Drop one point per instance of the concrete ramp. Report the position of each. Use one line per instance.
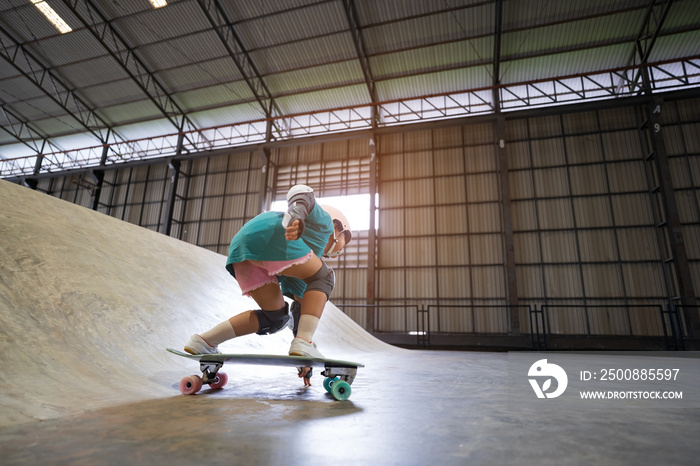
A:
(88, 303)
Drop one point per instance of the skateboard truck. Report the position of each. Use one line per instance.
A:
(209, 370)
(345, 373)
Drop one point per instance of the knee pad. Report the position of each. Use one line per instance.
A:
(270, 322)
(323, 280)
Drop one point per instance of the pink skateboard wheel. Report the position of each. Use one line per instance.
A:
(220, 380)
(190, 385)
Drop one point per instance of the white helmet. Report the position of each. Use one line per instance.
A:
(340, 218)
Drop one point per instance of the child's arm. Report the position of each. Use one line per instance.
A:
(300, 200)
(292, 231)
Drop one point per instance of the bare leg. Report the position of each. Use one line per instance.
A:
(313, 302)
(268, 297)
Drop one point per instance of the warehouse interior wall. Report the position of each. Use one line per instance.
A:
(596, 253)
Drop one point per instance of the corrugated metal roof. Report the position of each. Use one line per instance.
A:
(182, 51)
(131, 112)
(202, 74)
(121, 9)
(26, 22)
(587, 60)
(382, 11)
(58, 125)
(75, 47)
(333, 98)
(678, 45)
(214, 96)
(102, 69)
(290, 26)
(433, 58)
(561, 37)
(304, 54)
(222, 116)
(533, 13)
(256, 9)
(113, 93)
(14, 91)
(435, 83)
(160, 24)
(429, 30)
(319, 77)
(308, 56)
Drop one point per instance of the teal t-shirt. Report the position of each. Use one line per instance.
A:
(262, 239)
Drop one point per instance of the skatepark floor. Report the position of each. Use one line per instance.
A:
(88, 305)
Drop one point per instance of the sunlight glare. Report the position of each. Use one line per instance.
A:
(355, 207)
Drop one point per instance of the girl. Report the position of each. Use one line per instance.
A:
(277, 254)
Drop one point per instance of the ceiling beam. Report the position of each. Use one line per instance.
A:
(241, 58)
(646, 39)
(23, 132)
(354, 23)
(497, 36)
(592, 106)
(650, 32)
(123, 53)
(52, 85)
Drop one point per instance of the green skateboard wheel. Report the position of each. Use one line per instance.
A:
(328, 383)
(341, 390)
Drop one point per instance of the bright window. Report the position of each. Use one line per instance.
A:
(355, 207)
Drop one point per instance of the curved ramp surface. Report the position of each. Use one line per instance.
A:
(88, 304)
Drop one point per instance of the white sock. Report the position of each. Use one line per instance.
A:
(307, 327)
(219, 334)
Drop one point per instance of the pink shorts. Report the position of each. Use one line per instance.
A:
(251, 274)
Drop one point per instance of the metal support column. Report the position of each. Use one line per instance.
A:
(501, 150)
(507, 220)
(174, 167)
(31, 182)
(265, 156)
(372, 236)
(668, 221)
(99, 177)
(39, 161)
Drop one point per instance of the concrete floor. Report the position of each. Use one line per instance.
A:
(88, 304)
(419, 408)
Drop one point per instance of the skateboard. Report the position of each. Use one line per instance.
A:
(339, 375)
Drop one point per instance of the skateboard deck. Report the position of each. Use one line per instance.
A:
(339, 374)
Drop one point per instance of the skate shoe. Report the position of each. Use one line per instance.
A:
(197, 345)
(304, 348)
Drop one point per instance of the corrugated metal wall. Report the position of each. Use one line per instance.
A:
(585, 232)
(216, 196)
(332, 169)
(440, 239)
(582, 216)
